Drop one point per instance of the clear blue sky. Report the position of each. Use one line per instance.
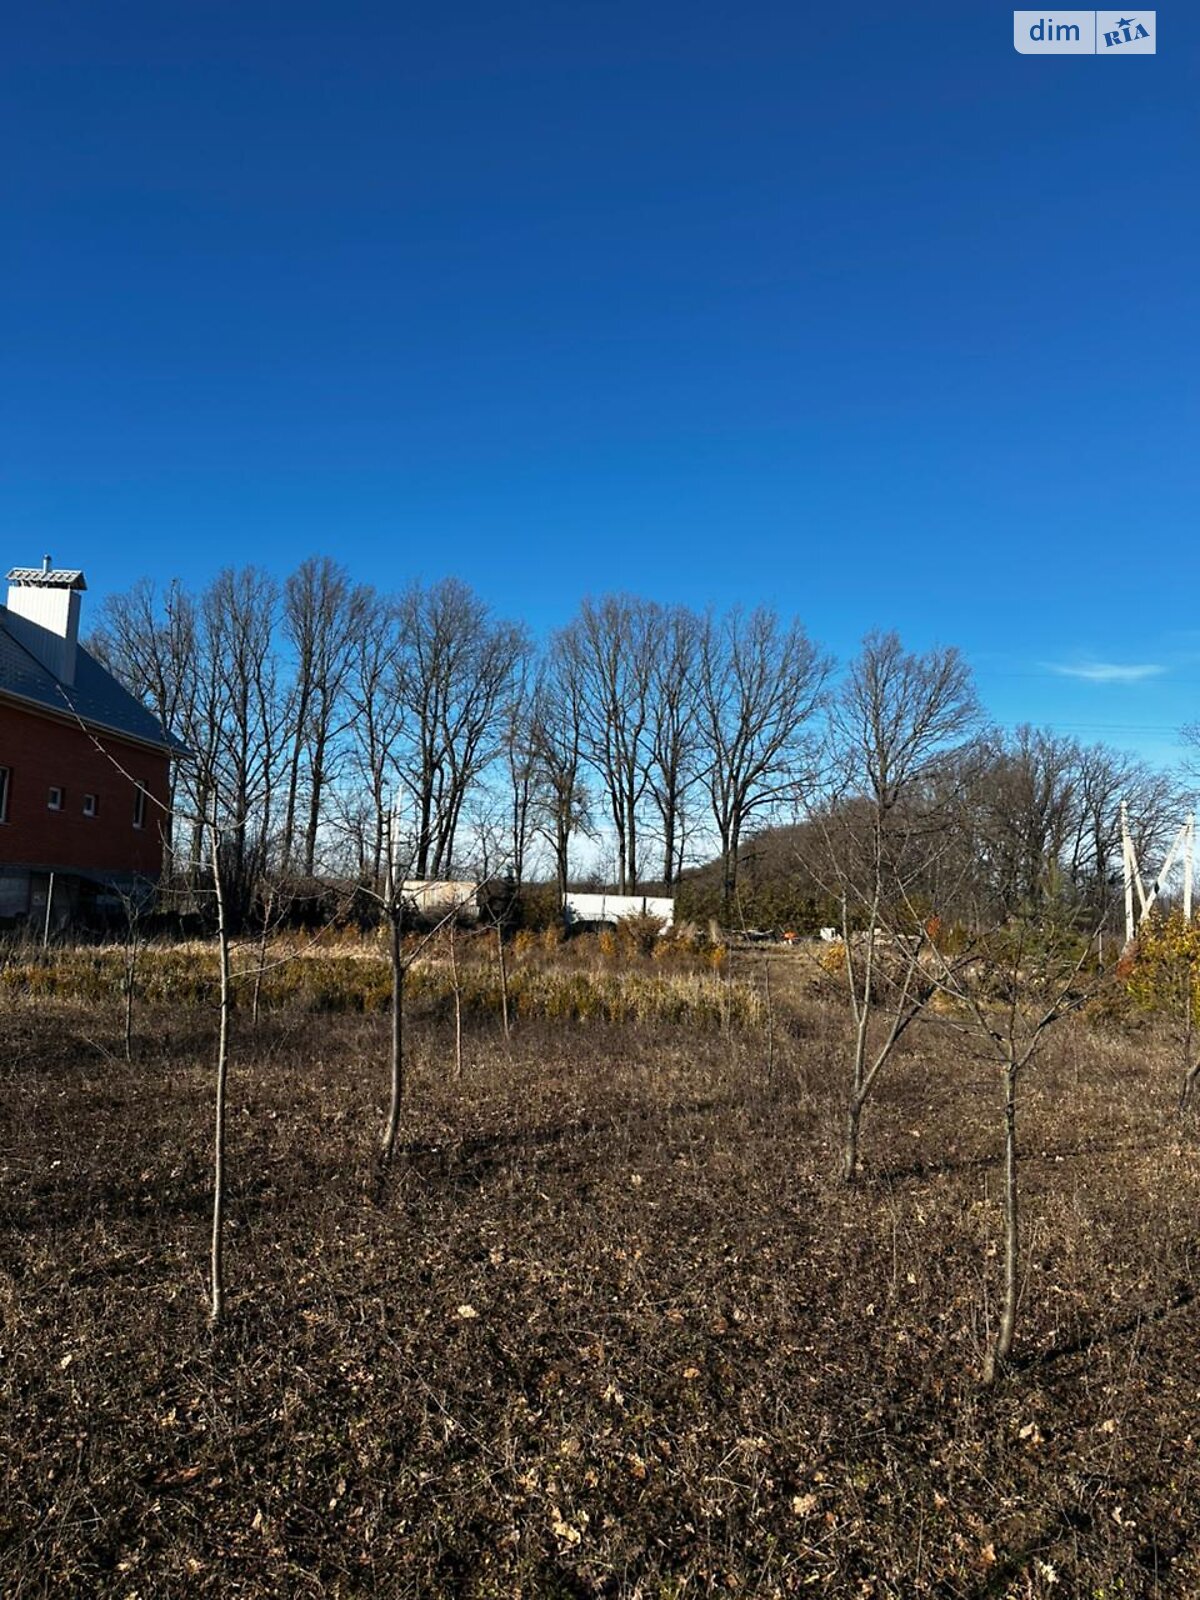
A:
(850, 308)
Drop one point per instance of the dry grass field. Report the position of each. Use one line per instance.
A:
(611, 1326)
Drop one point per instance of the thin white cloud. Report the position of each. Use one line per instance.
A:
(1108, 671)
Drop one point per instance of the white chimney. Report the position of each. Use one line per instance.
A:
(43, 615)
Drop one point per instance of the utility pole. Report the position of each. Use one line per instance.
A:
(1185, 841)
(1128, 869)
(1189, 851)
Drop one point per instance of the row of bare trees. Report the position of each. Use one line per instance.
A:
(1011, 824)
(687, 726)
(313, 707)
(306, 705)
(318, 708)
(978, 824)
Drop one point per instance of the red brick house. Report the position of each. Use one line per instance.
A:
(83, 766)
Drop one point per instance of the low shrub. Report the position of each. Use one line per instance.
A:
(1162, 968)
(639, 933)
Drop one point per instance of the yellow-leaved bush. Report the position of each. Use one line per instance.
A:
(1162, 967)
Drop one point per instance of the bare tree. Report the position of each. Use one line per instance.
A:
(563, 806)
(1036, 826)
(1029, 805)
(217, 1291)
(208, 832)
(376, 699)
(242, 738)
(322, 615)
(520, 767)
(148, 642)
(896, 717)
(759, 684)
(397, 908)
(456, 983)
(674, 740)
(1019, 982)
(608, 652)
(496, 907)
(460, 666)
(393, 909)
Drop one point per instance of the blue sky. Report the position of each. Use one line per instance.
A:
(851, 309)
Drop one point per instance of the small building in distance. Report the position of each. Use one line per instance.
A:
(434, 899)
(83, 765)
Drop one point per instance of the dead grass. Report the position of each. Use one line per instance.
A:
(578, 983)
(611, 1328)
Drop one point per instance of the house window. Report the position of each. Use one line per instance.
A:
(139, 805)
(5, 780)
(89, 805)
(55, 801)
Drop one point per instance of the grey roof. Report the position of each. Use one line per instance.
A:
(44, 578)
(95, 697)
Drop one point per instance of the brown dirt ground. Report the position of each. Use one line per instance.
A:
(610, 1328)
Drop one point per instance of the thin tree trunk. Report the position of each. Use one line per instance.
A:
(377, 840)
(131, 961)
(262, 955)
(1191, 1069)
(850, 1147)
(858, 1079)
(503, 978)
(631, 843)
(458, 1055)
(314, 804)
(217, 1307)
(293, 789)
(669, 845)
(770, 1022)
(729, 850)
(395, 916)
(425, 833)
(858, 1076)
(1000, 1352)
(622, 879)
(858, 1097)
(562, 864)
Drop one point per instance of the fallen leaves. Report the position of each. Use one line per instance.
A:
(567, 1533)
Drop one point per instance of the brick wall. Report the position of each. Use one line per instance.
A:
(41, 752)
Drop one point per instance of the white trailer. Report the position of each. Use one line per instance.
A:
(583, 909)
